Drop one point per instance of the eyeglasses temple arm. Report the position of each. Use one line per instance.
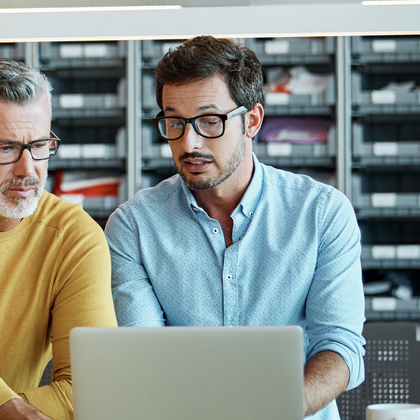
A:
(237, 111)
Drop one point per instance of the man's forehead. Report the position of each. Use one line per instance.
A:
(201, 95)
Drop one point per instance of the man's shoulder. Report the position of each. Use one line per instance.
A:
(61, 214)
(286, 180)
(301, 188)
(158, 196)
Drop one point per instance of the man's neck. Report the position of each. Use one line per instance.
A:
(8, 224)
(219, 202)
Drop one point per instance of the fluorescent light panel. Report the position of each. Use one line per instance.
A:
(88, 9)
(389, 2)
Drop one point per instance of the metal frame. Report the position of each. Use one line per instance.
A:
(343, 115)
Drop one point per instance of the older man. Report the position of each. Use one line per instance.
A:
(55, 265)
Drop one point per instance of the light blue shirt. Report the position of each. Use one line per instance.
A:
(295, 260)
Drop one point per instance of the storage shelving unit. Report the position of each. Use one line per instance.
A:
(316, 56)
(386, 167)
(103, 103)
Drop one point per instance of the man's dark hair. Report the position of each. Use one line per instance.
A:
(205, 56)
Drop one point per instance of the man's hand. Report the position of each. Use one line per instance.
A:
(17, 409)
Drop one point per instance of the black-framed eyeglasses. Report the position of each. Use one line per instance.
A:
(209, 126)
(11, 152)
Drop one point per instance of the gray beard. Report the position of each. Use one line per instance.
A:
(18, 208)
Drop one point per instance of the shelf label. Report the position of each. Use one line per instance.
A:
(380, 252)
(410, 252)
(74, 198)
(94, 151)
(383, 96)
(95, 50)
(279, 149)
(384, 304)
(71, 101)
(165, 151)
(298, 135)
(277, 98)
(277, 47)
(70, 151)
(71, 51)
(384, 199)
(385, 149)
(384, 45)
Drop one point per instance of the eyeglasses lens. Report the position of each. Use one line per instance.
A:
(9, 152)
(44, 149)
(207, 125)
(210, 126)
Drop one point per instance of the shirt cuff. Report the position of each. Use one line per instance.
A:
(350, 350)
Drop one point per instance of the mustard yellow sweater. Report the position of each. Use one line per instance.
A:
(54, 275)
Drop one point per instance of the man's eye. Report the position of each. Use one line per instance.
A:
(7, 148)
(39, 146)
(208, 121)
(175, 124)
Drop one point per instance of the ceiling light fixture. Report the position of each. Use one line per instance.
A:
(389, 2)
(88, 9)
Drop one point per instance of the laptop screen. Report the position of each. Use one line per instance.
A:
(182, 373)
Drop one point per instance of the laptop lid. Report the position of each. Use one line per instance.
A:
(187, 373)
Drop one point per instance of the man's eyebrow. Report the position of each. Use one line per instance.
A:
(200, 109)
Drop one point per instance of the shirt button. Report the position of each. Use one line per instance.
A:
(229, 277)
(250, 213)
(215, 230)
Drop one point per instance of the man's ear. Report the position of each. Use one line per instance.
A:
(253, 120)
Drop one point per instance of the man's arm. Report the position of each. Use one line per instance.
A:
(82, 297)
(326, 376)
(135, 301)
(20, 409)
(335, 307)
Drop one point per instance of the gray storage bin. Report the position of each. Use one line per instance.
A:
(390, 256)
(281, 103)
(390, 308)
(381, 101)
(154, 50)
(388, 148)
(13, 51)
(148, 92)
(386, 49)
(153, 148)
(74, 53)
(293, 50)
(292, 150)
(382, 199)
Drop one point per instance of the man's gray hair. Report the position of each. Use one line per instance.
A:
(21, 84)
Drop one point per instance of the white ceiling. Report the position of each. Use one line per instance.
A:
(297, 18)
(185, 3)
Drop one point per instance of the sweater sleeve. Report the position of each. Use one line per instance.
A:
(6, 393)
(82, 298)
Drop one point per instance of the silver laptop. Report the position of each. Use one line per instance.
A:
(187, 373)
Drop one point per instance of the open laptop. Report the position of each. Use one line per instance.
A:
(187, 373)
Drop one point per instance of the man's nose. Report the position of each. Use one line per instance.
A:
(24, 167)
(191, 140)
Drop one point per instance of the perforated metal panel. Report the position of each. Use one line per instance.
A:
(47, 375)
(392, 364)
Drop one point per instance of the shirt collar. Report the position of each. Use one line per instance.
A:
(249, 200)
(252, 195)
